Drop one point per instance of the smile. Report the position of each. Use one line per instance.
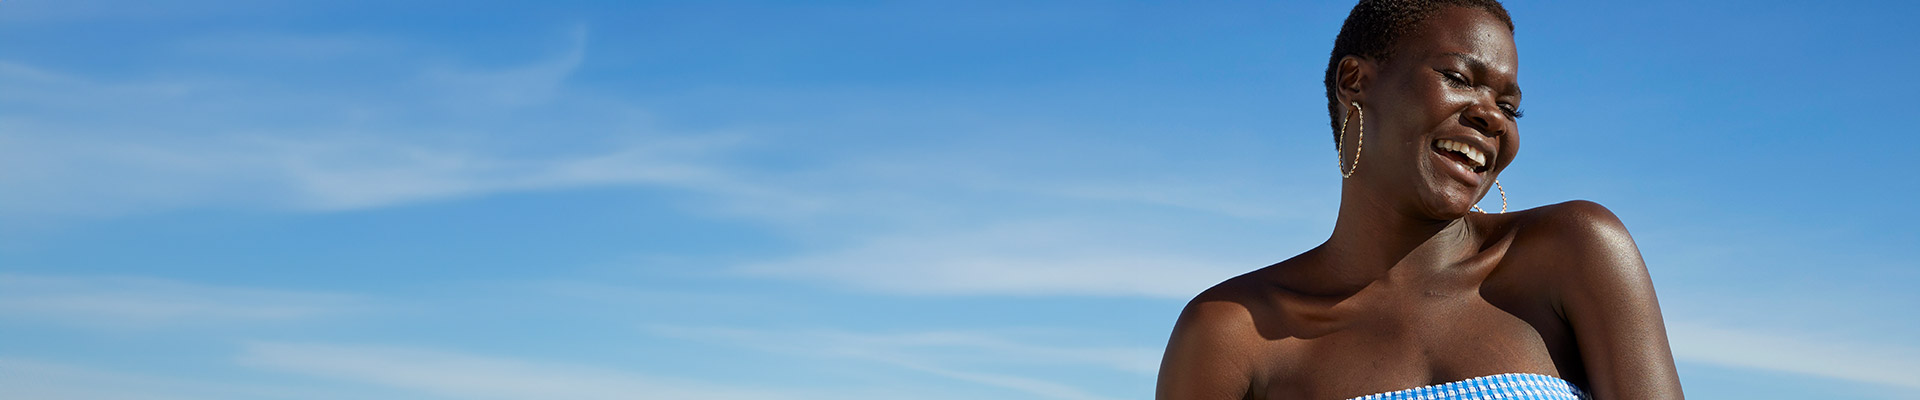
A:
(1462, 153)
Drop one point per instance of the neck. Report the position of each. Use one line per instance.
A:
(1372, 235)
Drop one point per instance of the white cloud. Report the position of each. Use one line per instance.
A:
(1829, 358)
(120, 301)
(1231, 198)
(110, 12)
(1030, 385)
(304, 47)
(977, 345)
(39, 89)
(95, 177)
(935, 353)
(84, 145)
(382, 372)
(529, 84)
(388, 127)
(1138, 360)
(1021, 259)
(31, 379)
(333, 176)
(470, 376)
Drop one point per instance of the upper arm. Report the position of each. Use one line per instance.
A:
(1607, 296)
(1205, 356)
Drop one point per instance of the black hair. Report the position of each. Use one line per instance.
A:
(1375, 26)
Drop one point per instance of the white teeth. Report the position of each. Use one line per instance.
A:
(1479, 159)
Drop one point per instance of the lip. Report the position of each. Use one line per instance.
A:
(1460, 171)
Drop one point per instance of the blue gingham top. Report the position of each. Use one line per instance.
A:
(1514, 386)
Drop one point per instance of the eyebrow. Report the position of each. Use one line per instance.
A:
(1476, 64)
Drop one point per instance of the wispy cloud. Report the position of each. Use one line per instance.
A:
(34, 88)
(980, 345)
(938, 353)
(111, 11)
(32, 379)
(389, 127)
(61, 174)
(293, 46)
(461, 375)
(1033, 386)
(1221, 197)
(1879, 363)
(121, 301)
(85, 145)
(1037, 258)
(528, 84)
(333, 176)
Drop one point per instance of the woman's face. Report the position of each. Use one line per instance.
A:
(1440, 114)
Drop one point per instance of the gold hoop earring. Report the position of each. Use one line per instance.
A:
(1339, 153)
(1503, 198)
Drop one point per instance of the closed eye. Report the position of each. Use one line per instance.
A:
(1455, 79)
(1459, 80)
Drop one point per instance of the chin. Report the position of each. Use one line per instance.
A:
(1445, 207)
(1441, 198)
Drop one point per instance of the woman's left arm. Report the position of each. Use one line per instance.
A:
(1607, 296)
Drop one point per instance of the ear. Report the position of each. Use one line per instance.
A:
(1352, 78)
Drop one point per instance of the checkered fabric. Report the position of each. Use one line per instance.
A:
(1514, 386)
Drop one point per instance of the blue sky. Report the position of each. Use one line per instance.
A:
(866, 200)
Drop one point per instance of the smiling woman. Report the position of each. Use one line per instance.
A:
(1416, 295)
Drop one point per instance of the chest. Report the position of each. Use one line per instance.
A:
(1397, 339)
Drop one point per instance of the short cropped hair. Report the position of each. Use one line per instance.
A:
(1375, 26)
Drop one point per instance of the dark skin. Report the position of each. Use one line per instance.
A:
(1412, 288)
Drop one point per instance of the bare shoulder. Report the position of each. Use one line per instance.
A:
(1220, 318)
(1210, 352)
(1220, 312)
(1599, 284)
(1577, 219)
(1578, 234)
(1575, 225)
(1588, 257)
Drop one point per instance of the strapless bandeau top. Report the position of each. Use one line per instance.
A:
(1514, 386)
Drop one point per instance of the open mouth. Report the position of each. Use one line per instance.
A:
(1463, 154)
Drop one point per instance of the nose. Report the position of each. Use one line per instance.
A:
(1486, 118)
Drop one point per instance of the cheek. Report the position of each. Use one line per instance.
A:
(1425, 106)
(1509, 146)
(1451, 102)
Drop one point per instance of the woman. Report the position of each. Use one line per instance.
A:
(1417, 294)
